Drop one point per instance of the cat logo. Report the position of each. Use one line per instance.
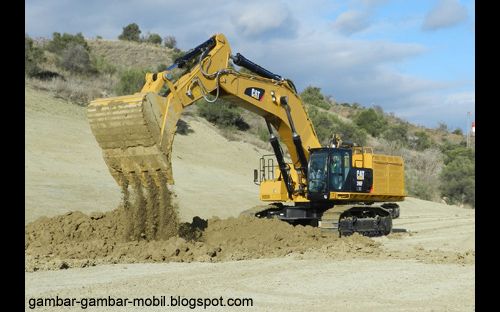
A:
(256, 93)
(360, 174)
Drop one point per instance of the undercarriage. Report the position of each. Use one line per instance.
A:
(368, 220)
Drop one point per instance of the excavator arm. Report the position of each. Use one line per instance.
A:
(136, 132)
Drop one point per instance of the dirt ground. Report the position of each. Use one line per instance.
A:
(426, 264)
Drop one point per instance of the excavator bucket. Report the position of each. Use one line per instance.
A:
(129, 131)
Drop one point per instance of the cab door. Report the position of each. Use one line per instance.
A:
(339, 168)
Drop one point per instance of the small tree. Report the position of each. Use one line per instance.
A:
(75, 58)
(33, 56)
(170, 42)
(154, 39)
(397, 133)
(312, 95)
(223, 114)
(421, 141)
(442, 127)
(373, 122)
(131, 32)
(458, 131)
(59, 42)
(458, 180)
(131, 81)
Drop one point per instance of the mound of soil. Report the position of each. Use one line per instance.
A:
(79, 240)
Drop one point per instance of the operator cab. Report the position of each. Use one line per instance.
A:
(330, 170)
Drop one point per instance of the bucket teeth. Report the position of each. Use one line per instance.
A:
(128, 130)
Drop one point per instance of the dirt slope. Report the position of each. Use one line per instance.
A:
(65, 170)
(430, 254)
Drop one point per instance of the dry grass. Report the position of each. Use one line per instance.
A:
(126, 54)
(77, 89)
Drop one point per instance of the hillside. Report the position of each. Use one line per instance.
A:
(62, 177)
(126, 54)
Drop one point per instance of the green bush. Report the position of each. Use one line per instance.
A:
(421, 141)
(33, 56)
(458, 175)
(263, 133)
(326, 125)
(131, 32)
(102, 66)
(131, 81)
(458, 181)
(154, 38)
(420, 189)
(223, 114)
(350, 133)
(458, 131)
(75, 58)
(397, 133)
(312, 96)
(60, 43)
(372, 122)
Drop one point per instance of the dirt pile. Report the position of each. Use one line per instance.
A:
(79, 240)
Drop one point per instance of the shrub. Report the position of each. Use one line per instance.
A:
(263, 133)
(417, 188)
(312, 96)
(131, 81)
(177, 53)
(102, 66)
(60, 43)
(326, 125)
(33, 56)
(374, 123)
(75, 58)
(442, 127)
(422, 172)
(458, 175)
(170, 42)
(458, 131)
(131, 32)
(420, 141)
(350, 133)
(458, 182)
(222, 114)
(397, 133)
(154, 38)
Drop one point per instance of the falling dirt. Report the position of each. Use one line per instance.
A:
(151, 211)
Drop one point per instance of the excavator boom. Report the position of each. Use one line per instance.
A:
(136, 131)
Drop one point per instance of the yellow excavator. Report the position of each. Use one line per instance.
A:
(357, 188)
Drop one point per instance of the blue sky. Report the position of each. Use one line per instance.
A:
(412, 58)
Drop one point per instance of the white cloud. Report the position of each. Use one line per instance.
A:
(351, 22)
(264, 19)
(292, 40)
(446, 13)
